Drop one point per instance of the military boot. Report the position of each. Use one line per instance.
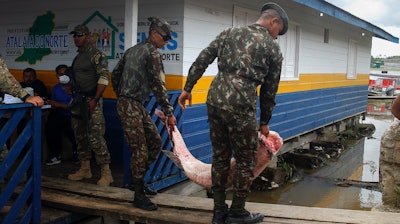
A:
(106, 178)
(83, 172)
(239, 215)
(147, 190)
(141, 200)
(220, 207)
(246, 217)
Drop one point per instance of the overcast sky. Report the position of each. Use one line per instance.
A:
(382, 13)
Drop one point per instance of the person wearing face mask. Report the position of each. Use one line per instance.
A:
(248, 58)
(59, 119)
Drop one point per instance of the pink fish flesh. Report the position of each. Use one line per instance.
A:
(200, 172)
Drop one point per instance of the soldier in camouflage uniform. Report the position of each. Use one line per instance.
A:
(389, 161)
(137, 74)
(247, 58)
(9, 85)
(90, 77)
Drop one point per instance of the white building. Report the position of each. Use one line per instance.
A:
(325, 73)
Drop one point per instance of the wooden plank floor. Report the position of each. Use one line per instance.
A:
(116, 202)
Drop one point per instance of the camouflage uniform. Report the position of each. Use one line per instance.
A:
(389, 165)
(8, 84)
(90, 68)
(137, 74)
(247, 58)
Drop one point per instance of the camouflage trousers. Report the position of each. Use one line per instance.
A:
(389, 165)
(90, 134)
(141, 134)
(232, 134)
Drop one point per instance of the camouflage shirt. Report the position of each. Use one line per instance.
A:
(8, 83)
(141, 72)
(247, 58)
(90, 68)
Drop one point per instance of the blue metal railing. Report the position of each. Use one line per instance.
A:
(162, 173)
(20, 169)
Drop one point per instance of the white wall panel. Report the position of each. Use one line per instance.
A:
(204, 20)
(199, 23)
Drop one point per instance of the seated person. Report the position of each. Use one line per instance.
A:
(30, 80)
(59, 119)
(39, 89)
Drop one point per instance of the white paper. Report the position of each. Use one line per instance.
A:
(8, 99)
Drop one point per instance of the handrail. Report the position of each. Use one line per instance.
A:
(20, 167)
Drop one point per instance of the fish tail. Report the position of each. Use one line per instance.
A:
(174, 158)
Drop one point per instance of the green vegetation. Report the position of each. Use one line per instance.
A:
(380, 63)
(376, 62)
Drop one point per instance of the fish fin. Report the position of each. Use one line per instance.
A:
(174, 158)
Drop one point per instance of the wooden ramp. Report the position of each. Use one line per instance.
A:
(116, 202)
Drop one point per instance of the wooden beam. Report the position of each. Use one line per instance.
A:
(117, 203)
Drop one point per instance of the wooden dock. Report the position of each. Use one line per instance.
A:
(91, 199)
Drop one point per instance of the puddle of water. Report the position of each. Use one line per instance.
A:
(361, 162)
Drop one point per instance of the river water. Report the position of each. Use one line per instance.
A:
(318, 187)
(360, 162)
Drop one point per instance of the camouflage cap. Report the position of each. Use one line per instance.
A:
(161, 23)
(282, 13)
(80, 30)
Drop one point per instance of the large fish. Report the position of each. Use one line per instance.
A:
(200, 172)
